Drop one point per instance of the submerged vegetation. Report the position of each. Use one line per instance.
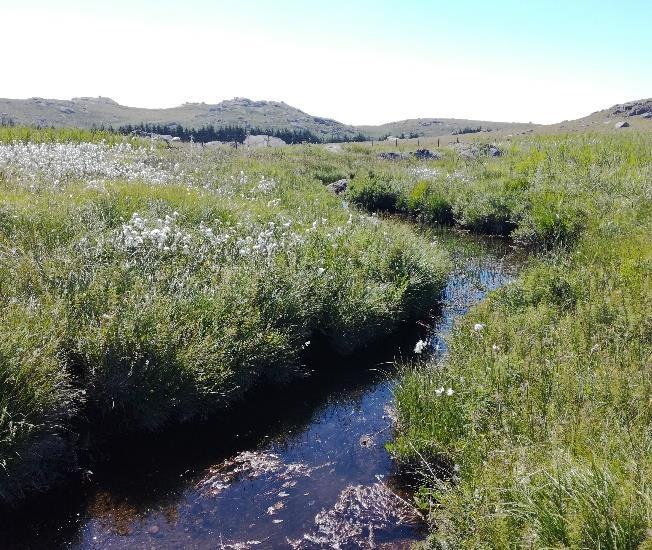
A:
(142, 287)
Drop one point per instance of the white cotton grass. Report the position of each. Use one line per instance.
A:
(440, 391)
(51, 165)
(423, 173)
(161, 234)
(226, 243)
(478, 327)
(420, 346)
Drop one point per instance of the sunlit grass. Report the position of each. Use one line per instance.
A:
(549, 426)
(133, 298)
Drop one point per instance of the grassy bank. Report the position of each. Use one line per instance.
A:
(140, 288)
(533, 190)
(543, 440)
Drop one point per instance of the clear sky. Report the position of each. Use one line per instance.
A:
(360, 62)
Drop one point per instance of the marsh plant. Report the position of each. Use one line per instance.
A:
(545, 441)
(143, 288)
(172, 287)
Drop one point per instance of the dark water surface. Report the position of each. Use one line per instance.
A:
(303, 467)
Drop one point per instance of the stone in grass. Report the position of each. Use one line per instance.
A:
(427, 154)
(338, 186)
(392, 156)
(263, 141)
(621, 124)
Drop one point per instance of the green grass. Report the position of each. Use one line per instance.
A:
(98, 333)
(538, 192)
(546, 441)
(9, 134)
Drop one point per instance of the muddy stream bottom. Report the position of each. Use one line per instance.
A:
(304, 467)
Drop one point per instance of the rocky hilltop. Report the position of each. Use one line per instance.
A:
(87, 112)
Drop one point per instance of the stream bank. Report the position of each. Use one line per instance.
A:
(307, 468)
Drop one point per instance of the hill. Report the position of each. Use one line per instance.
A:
(88, 112)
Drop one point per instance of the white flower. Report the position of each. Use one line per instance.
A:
(478, 327)
(495, 347)
(439, 391)
(320, 270)
(421, 345)
(449, 392)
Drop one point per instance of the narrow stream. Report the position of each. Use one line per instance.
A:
(305, 467)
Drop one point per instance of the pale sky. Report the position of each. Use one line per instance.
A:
(364, 62)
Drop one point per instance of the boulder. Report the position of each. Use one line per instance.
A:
(475, 151)
(263, 141)
(392, 156)
(427, 154)
(338, 186)
(621, 124)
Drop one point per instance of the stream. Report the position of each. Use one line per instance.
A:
(305, 467)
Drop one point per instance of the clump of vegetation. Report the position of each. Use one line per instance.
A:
(23, 134)
(539, 193)
(140, 288)
(543, 440)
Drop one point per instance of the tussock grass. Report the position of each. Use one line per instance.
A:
(540, 191)
(128, 305)
(10, 134)
(549, 426)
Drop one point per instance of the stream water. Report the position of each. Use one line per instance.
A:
(305, 467)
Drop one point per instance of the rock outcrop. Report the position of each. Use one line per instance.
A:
(263, 141)
(338, 186)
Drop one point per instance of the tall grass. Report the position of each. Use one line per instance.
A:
(128, 305)
(539, 192)
(10, 134)
(549, 426)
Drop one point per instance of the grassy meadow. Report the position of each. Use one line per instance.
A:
(141, 288)
(534, 432)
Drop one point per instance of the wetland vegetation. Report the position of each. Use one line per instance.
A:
(145, 288)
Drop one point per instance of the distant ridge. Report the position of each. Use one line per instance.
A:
(88, 112)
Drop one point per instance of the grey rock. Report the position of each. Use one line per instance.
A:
(66, 110)
(338, 186)
(427, 154)
(263, 141)
(621, 124)
(392, 156)
(634, 108)
(476, 151)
